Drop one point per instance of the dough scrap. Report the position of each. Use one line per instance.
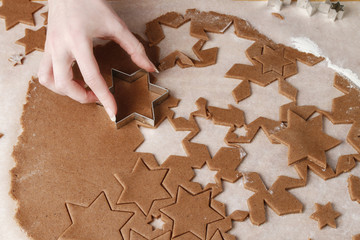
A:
(202, 22)
(325, 215)
(19, 11)
(277, 197)
(45, 15)
(33, 40)
(354, 188)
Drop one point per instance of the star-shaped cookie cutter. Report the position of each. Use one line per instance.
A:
(163, 92)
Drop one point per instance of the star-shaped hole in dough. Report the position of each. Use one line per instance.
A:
(191, 213)
(142, 186)
(325, 215)
(97, 221)
(16, 59)
(19, 11)
(136, 97)
(306, 139)
(33, 40)
(273, 60)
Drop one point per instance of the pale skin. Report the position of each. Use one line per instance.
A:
(73, 24)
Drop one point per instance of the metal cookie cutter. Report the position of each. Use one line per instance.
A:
(163, 92)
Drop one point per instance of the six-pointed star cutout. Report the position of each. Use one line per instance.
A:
(142, 186)
(273, 60)
(306, 139)
(97, 221)
(33, 40)
(325, 215)
(136, 97)
(18, 11)
(191, 213)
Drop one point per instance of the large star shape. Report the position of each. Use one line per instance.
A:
(97, 221)
(273, 60)
(191, 213)
(33, 40)
(18, 11)
(142, 186)
(325, 215)
(136, 97)
(306, 139)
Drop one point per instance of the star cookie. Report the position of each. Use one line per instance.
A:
(325, 215)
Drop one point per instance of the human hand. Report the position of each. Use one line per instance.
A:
(72, 26)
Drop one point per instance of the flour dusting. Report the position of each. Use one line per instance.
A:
(304, 44)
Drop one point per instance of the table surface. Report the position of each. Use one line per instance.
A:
(337, 40)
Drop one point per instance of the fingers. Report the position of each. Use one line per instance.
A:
(64, 82)
(46, 75)
(91, 74)
(133, 47)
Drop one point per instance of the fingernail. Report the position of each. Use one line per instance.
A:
(156, 70)
(111, 114)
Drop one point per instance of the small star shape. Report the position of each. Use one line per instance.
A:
(97, 221)
(19, 11)
(142, 186)
(273, 60)
(33, 40)
(191, 213)
(136, 97)
(306, 139)
(337, 6)
(16, 59)
(325, 215)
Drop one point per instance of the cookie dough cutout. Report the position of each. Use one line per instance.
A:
(33, 40)
(306, 139)
(354, 188)
(19, 11)
(192, 213)
(325, 215)
(96, 221)
(278, 15)
(142, 186)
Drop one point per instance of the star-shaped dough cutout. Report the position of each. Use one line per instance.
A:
(325, 215)
(97, 221)
(136, 97)
(306, 139)
(142, 186)
(273, 60)
(19, 11)
(191, 213)
(33, 40)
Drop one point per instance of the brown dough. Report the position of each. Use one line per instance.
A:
(272, 60)
(19, 11)
(306, 139)
(354, 188)
(142, 186)
(202, 22)
(154, 31)
(45, 15)
(325, 215)
(191, 213)
(277, 197)
(134, 97)
(278, 15)
(33, 40)
(96, 221)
